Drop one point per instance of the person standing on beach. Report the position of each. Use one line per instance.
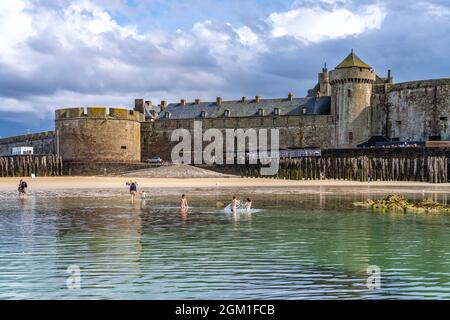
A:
(184, 203)
(22, 188)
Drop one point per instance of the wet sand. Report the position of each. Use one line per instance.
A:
(207, 186)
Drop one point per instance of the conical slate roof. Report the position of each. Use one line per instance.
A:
(353, 60)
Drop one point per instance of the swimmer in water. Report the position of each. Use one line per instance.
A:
(248, 204)
(184, 203)
(234, 204)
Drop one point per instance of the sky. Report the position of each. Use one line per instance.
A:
(61, 53)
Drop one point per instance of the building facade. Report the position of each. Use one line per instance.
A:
(349, 106)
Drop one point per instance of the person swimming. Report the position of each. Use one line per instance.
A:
(184, 203)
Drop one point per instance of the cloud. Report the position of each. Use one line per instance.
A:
(83, 52)
(315, 24)
(437, 10)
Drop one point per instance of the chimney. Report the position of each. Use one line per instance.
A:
(183, 102)
(243, 99)
(257, 99)
(163, 105)
(139, 105)
(219, 101)
(290, 96)
(389, 77)
(197, 101)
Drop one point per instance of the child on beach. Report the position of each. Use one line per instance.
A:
(143, 195)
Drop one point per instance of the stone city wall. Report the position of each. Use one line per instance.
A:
(295, 131)
(412, 111)
(42, 143)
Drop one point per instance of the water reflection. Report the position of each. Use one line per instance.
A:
(298, 246)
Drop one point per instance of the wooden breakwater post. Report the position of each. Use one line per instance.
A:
(25, 165)
(356, 165)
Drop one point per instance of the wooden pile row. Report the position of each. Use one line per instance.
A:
(24, 166)
(429, 168)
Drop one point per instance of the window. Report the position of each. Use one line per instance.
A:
(395, 139)
(349, 93)
(227, 113)
(167, 115)
(304, 110)
(203, 114)
(276, 111)
(123, 147)
(350, 137)
(443, 118)
(260, 112)
(434, 138)
(399, 122)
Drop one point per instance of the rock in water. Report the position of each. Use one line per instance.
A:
(220, 205)
(396, 203)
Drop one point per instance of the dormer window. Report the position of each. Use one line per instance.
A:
(276, 111)
(167, 115)
(304, 110)
(227, 113)
(260, 112)
(203, 114)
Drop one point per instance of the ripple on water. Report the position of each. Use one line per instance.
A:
(302, 246)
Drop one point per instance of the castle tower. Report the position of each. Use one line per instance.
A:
(351, 90)
(100, 135)
(324, 82)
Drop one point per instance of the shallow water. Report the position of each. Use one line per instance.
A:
(305, 246)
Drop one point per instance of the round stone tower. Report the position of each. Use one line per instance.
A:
(98, 135)
(351, 90)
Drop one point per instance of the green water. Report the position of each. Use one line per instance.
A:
(297, 247)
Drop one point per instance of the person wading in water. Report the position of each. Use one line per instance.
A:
(133, 190)
(22, 188)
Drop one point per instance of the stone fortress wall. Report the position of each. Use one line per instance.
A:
(412, 111)
(42, 143)
(361, 105)
(295, 131)
(99, 134)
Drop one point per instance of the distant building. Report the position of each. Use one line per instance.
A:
(16, 151)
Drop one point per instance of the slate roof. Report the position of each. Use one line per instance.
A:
(319, 106)
(352, 60)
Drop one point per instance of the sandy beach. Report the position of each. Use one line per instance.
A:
(208, 185)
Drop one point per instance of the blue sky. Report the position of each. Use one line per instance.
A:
(63, 53)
